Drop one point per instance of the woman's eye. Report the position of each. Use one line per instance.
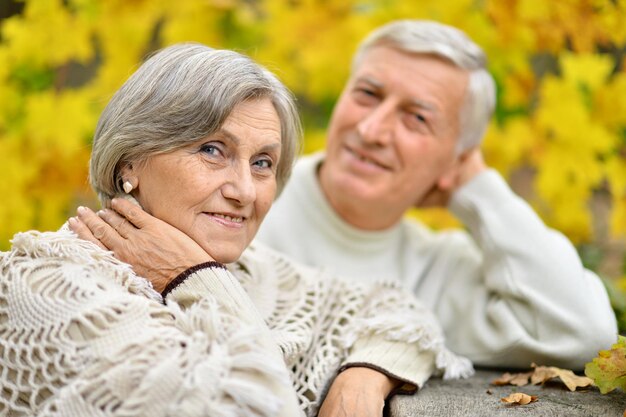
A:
(263, 163)
(210, 149)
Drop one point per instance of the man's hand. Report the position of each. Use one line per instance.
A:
(357, 392)
(156, 250)
(468, 165)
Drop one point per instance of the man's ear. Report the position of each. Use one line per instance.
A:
(447, 180)
(450, 178)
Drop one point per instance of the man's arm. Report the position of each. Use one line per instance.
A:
(521, 294)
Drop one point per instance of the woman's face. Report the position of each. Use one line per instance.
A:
(217, 190)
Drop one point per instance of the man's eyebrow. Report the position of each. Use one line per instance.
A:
(414, 102)
(424, 105)
(371, 81)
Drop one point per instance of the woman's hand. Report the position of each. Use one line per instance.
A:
(357, 392)
(156, 250)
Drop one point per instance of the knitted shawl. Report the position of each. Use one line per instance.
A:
(82, 335)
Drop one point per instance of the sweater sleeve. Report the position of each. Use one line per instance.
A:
(395, 334)
(79, 339)
(401, 361)
(523, 295)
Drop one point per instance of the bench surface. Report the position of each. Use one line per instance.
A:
(477, 397)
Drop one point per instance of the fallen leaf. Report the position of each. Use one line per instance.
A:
(520, 379)
(507, 378)
(503, 380)
(519, 398)
(541, 374)
(608, 370)
(571, 380)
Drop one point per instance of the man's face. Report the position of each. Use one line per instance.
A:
(393, 132)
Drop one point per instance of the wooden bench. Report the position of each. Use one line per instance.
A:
(477, 397)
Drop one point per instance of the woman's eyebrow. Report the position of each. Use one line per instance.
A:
(225, 134)
(271, 147)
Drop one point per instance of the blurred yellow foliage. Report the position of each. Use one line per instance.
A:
(559, 66)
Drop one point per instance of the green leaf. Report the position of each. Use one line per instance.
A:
(608, 370)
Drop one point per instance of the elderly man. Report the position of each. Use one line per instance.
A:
(406, 132)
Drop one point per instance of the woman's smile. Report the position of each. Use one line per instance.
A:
(230, 220)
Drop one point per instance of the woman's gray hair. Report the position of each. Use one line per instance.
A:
(180, 95)
(427, 37)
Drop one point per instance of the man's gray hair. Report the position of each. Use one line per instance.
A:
(427, 37)
(180, 95)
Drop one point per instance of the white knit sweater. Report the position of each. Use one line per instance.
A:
(81, 335)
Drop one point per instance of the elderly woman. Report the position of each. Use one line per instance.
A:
(202, 140)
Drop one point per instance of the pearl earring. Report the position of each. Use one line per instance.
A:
(128, 187)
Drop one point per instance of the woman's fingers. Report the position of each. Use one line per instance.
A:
(83, 232)
(131, 212)
(117, 222)
(99, 228)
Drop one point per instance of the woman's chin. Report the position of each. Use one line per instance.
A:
(226, 256)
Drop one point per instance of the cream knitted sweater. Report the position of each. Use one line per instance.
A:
(81, 335)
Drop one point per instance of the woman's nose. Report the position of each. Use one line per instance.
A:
(376, 127)
(240, 187)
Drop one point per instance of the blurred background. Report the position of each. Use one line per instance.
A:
(559, 135)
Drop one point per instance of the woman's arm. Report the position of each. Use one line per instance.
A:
(358, 391)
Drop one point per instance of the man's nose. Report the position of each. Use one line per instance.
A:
(240, 186)
(377, 126)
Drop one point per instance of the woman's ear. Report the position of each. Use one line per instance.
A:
(130, 178)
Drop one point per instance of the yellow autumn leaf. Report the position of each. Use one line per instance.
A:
(193, 20)
(40, 35)
(618, 216)
(588, 69)
(609, 102)
(507, 147)
(533, 10)
(62, 121)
